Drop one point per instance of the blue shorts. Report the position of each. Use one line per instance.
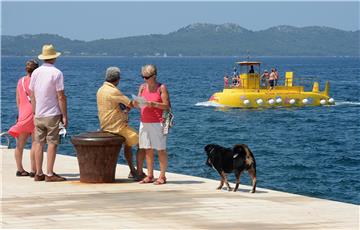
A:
(271, 83)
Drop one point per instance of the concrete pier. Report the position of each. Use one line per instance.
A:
(185, 202)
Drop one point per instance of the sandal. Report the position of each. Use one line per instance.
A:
(23, 173)
(132, 175)
(160, 181)
(147, 180)
(140, 177)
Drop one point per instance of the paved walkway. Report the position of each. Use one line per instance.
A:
(186, 202)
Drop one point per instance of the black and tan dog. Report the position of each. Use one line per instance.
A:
(226, 160)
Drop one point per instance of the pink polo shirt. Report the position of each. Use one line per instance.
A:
(45, 82)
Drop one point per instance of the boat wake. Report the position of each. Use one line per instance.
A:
(341, 103)
(209, 104)
(337, 103)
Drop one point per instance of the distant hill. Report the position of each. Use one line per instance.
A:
(201, 39)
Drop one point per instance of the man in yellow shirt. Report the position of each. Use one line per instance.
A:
(114, 119)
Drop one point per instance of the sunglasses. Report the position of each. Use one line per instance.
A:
(147, 78)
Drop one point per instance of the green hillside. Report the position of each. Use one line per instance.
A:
(201, 39)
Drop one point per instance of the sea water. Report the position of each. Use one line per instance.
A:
(312, 151)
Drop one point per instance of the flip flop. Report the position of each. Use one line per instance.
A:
(23, 173)
(147, 180)
(160, 181)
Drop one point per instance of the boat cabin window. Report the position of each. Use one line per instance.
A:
(249, 67)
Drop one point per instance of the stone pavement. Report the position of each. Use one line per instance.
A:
(185, 202)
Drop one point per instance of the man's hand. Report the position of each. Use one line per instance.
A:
(63, 106)
(135, 104)
(65, 121)
(151, 104)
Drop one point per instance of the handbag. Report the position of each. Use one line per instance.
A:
(168, 121)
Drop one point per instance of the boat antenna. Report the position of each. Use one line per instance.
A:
(248, 55)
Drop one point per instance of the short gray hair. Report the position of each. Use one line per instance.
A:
(112, 74)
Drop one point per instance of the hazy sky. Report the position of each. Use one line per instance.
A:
(95, 20)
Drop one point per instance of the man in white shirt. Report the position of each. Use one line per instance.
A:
(49, 106)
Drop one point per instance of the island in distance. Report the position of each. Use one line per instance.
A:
(200, 39)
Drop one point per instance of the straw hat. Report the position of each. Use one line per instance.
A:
(48, 52)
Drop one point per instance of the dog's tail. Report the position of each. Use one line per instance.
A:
(249, 159)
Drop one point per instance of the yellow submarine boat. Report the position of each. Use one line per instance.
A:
(249, 93)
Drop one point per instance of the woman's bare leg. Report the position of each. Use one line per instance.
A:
(20, 144)
(150, 162)
(163, 159)
(140, 157)
(32, 154)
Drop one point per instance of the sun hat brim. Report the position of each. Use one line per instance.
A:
(47, 57)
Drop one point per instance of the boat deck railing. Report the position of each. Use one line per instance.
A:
(5, 140)
(306, 81)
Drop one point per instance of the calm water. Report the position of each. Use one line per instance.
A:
(310, 151)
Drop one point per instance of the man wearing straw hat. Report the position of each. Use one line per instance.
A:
(49, 106)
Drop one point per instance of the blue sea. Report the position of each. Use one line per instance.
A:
(313, 151)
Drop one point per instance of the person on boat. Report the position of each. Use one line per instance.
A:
(151, 135)
(251, 69)
(235, 77)
(265, 78)
(226, 81)
(238, 81)
(277, 76)
(272, 78)
(235, 81)
(235, 73)
(49, 105)
(113, 107)
(24, 127)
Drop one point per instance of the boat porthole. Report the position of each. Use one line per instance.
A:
(305, 101)
(278, 100)
(271, 101)
(331, 100)
(292, 101)
(323, 101)
(259, 101)
(246, 102)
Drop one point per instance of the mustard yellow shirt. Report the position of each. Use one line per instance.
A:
(112, 118)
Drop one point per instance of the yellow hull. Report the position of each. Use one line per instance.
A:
(281, 96)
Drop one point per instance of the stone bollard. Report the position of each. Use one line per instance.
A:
(97, 154)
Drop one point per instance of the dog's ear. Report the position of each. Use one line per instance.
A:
(208, 148)
(238, 149)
